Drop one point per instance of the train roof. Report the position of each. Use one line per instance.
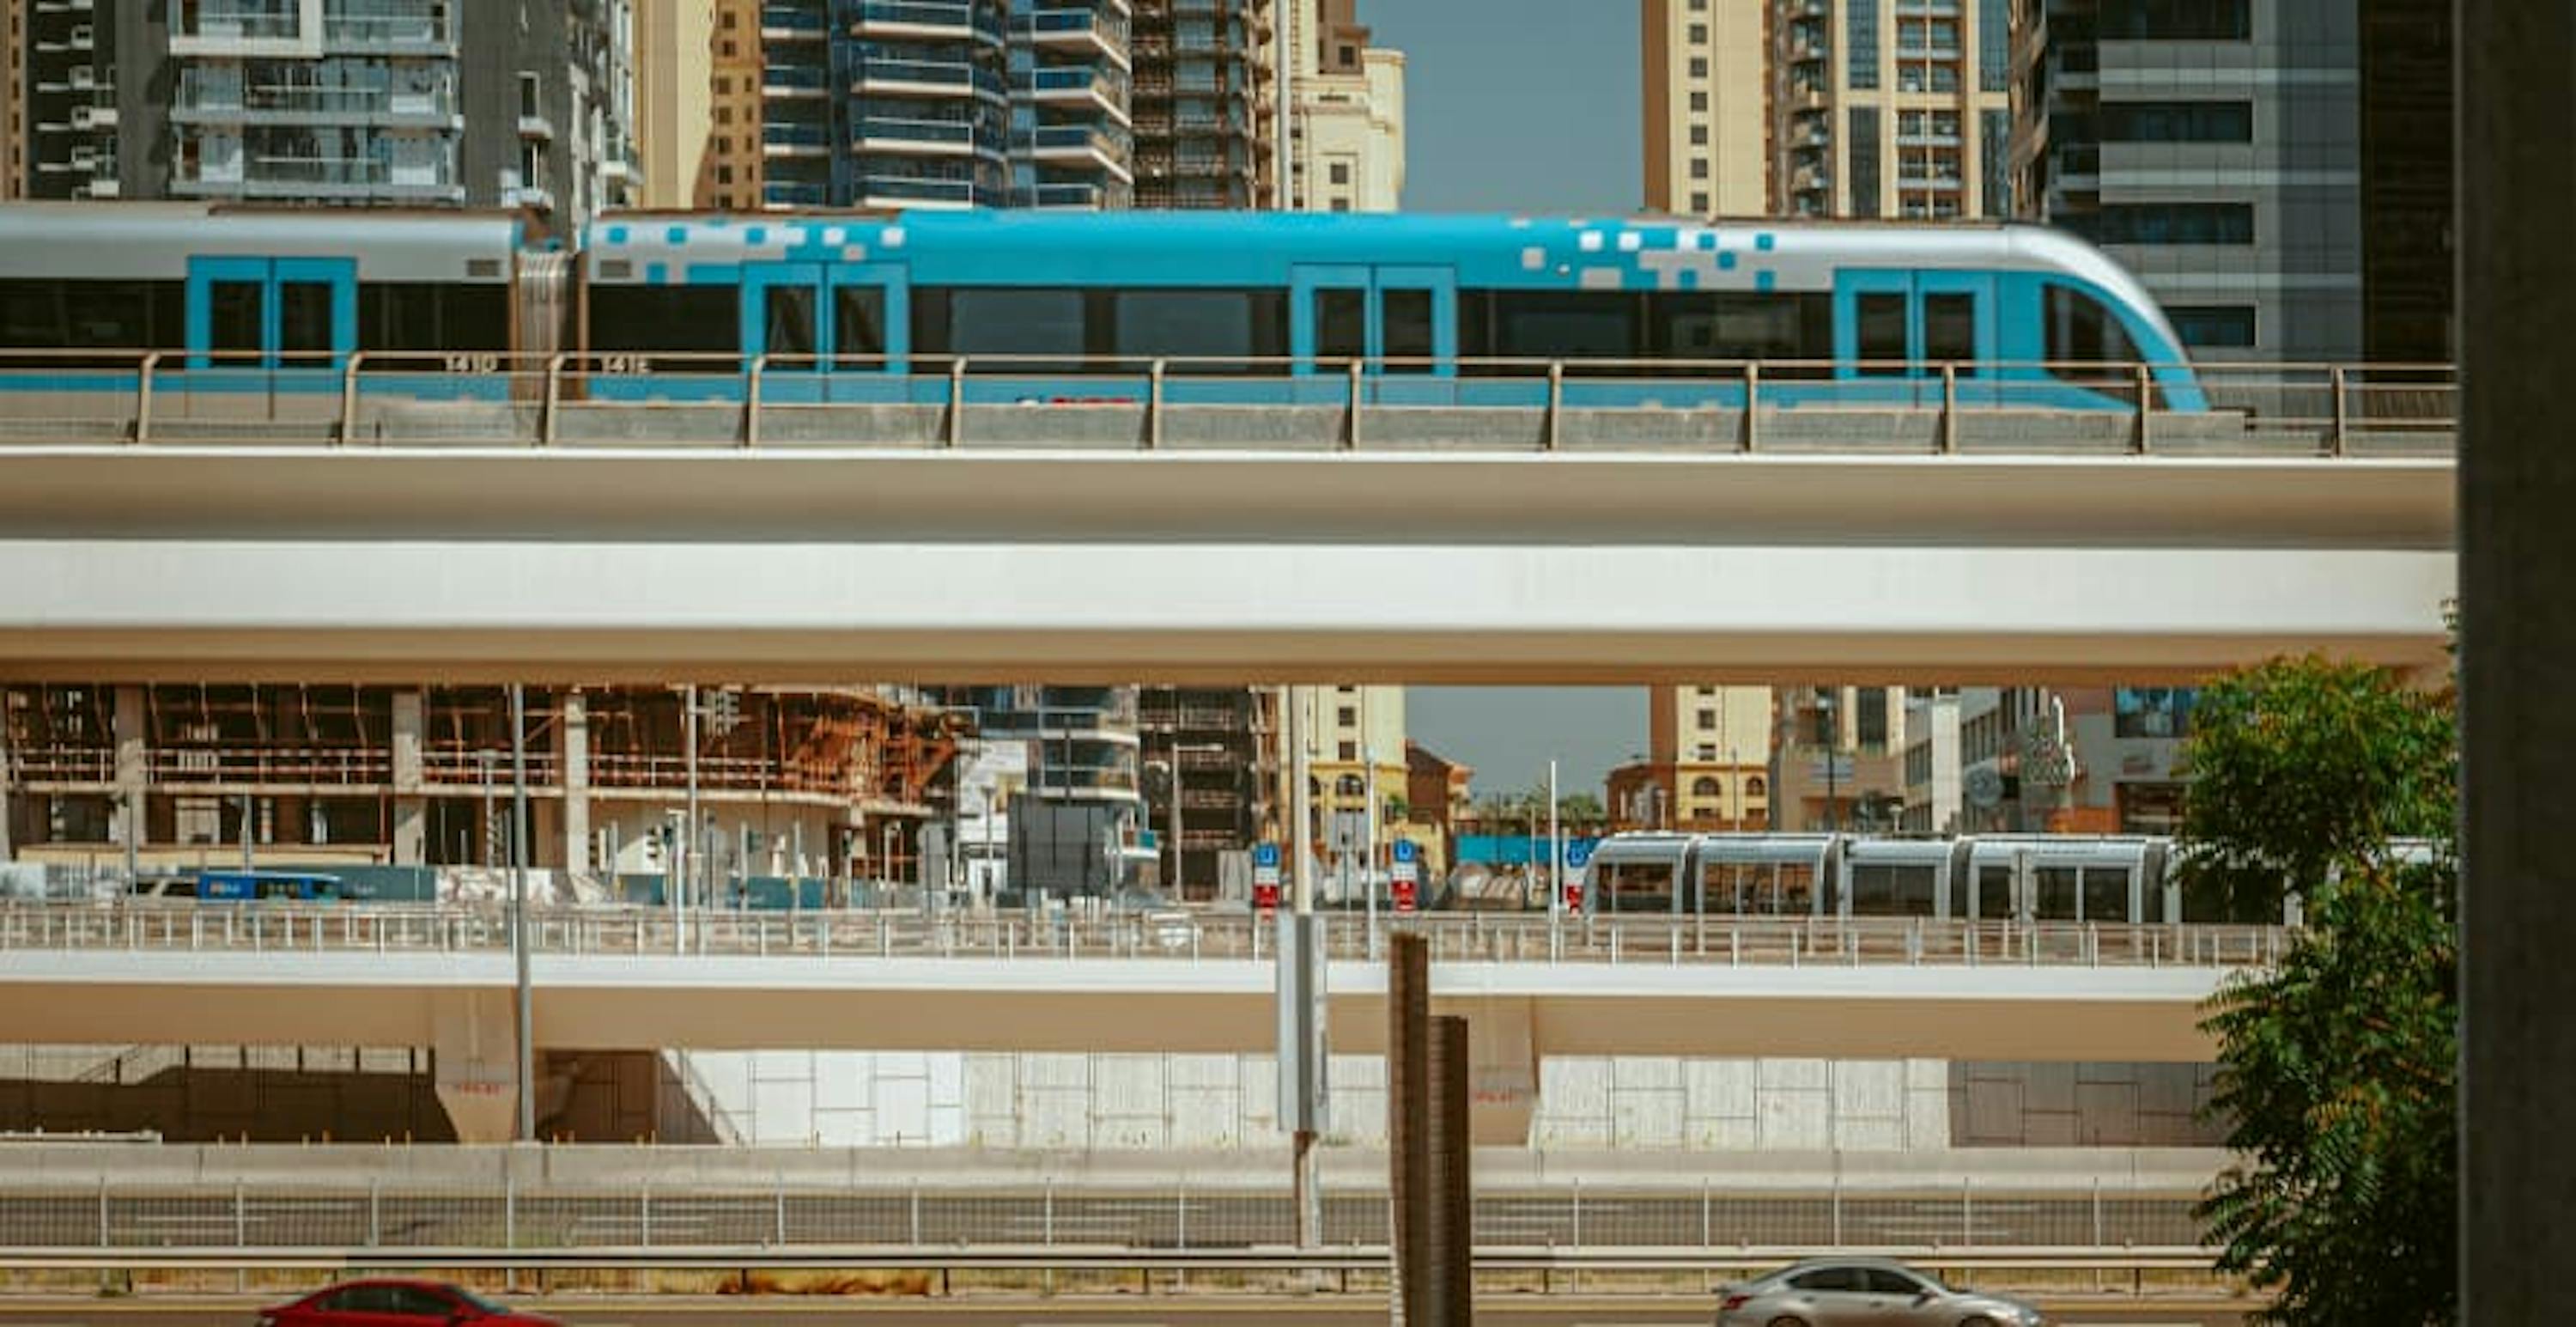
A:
(138, 241)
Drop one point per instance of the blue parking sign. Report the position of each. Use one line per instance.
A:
(1265, 855)
(1578, 852)
(1404, 850)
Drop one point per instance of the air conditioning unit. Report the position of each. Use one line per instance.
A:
(83, 116)
(83, 35)
(83, 78)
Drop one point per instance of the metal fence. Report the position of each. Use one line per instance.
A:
(121, 1217)
(391, 399)
(1693, 940)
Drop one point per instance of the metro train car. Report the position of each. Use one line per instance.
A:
(2052, 877)
(1258, 308)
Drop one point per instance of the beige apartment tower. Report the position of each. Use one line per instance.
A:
(673, 79)
(1707, 124)
(1707, 765)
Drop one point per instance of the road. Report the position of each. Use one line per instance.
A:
(1195, 1311)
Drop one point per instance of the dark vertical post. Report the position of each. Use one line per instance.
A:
(1449, 1269)
(1408, 1086)
(2518, 574)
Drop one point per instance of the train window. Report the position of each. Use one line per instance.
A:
(1950, 331)
(858, 324)
(1718, 889)
(76, 315)
(428, 318)
(1794, 890)
(1016, 322)
(1892, 890)
(1881, 335)
(1994, 893)
(2057, 893)
(787, 327)
(1637, 887)
(303, 322)
(667, 319)
(1240, 327)
(234, 312)
(2106, 894)
(1341, 326)
(1558, 324)
(1736, 325)
(2082, 332)
(1406, 315)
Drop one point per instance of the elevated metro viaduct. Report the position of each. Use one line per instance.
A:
(461, 1007)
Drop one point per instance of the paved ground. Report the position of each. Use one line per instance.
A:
(1109, 1312)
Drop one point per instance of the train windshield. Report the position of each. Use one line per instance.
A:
(2082, 332)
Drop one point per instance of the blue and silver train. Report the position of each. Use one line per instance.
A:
(1251, 307)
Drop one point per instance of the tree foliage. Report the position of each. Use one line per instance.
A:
(2300, 765)
(2337, 1069)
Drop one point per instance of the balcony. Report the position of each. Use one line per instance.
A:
(1106, 88)
(312, 177)
(790, 23)
(915, 191)
(929, 77)
(933, 20)
(1106, 145)
(239, 29)
(795, 140)
(916, 136)
(203, 102)
(1078, 29)
(388, 34)
(787, 82)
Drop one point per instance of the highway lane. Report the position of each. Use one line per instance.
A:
(1115, 1311)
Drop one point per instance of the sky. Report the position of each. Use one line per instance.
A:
(1521, 106)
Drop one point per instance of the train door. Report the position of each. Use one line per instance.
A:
(1401, 321)
(1894, 330)
(821, 322)
(272, 313)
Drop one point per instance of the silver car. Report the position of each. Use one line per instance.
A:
(1863, 1292)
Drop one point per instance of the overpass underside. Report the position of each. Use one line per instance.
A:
(238, 563)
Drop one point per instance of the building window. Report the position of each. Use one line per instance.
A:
(531, 96)
(724, 114)
(1699, 135)
(1699, 101)
(1860, 41)
(729, 19)
(1339, 172)
(2225, 325)
(1708, 750)
(1350, 56)
(732, 50)
(1994, 45)
(724, 174)
(1349, 716)
(1350, 750)
(1873, 717)
(1755, 787)
(1341, 205)
(1699, 34)
(724, 87)
(1699, 66)
(1699, 168)
(1864, 163)
(1704, 786)
(1699, 204)
(1707, 720)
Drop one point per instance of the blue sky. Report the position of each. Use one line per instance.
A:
(1521, 106)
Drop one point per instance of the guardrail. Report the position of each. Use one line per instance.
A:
(1722, 941)
(921, 402)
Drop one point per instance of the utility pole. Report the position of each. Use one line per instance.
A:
(1307, 1091)
(687, 865)
(1555, 854)
(519, 911)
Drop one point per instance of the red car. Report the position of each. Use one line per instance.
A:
(395, 1304)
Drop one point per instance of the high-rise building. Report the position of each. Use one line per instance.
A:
(1074, 826)
(1071, 137)
(13, 98)
(1707, 764)
(674, 110)
(1348, 131)
(1210, 776)
(1707, 107)
(1204, 97)
(442, 102)
(1356, 770)
(2216, 149)
(1932, 765)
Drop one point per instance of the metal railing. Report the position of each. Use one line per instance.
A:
(1168, 935)
(829, 1220)
(718, 400)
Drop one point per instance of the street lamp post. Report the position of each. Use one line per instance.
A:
(519, 911)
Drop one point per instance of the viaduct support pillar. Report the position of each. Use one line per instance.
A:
(2518, 571)
(474, 1059)
(573, 751)
(133, 770)
(409, 834)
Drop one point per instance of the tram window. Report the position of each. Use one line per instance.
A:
(2082, 332)
(1881, 338)
(1891, 890)
(1717, 889)
(77, 315)
(2106, 894)
(1994, 893)
(1241, 328)
(1341, 326)
(1744, 326)
(787, 327)
(858, 325)
(694, 319)
(303, 322)
(1637, 887)
(1407, 331)
(1794, 890)
(234, 310)
(1950, 331)
(2057, 893)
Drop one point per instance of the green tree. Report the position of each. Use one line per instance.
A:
(1580, 809)
(2298, 766)
(2337, 1068)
